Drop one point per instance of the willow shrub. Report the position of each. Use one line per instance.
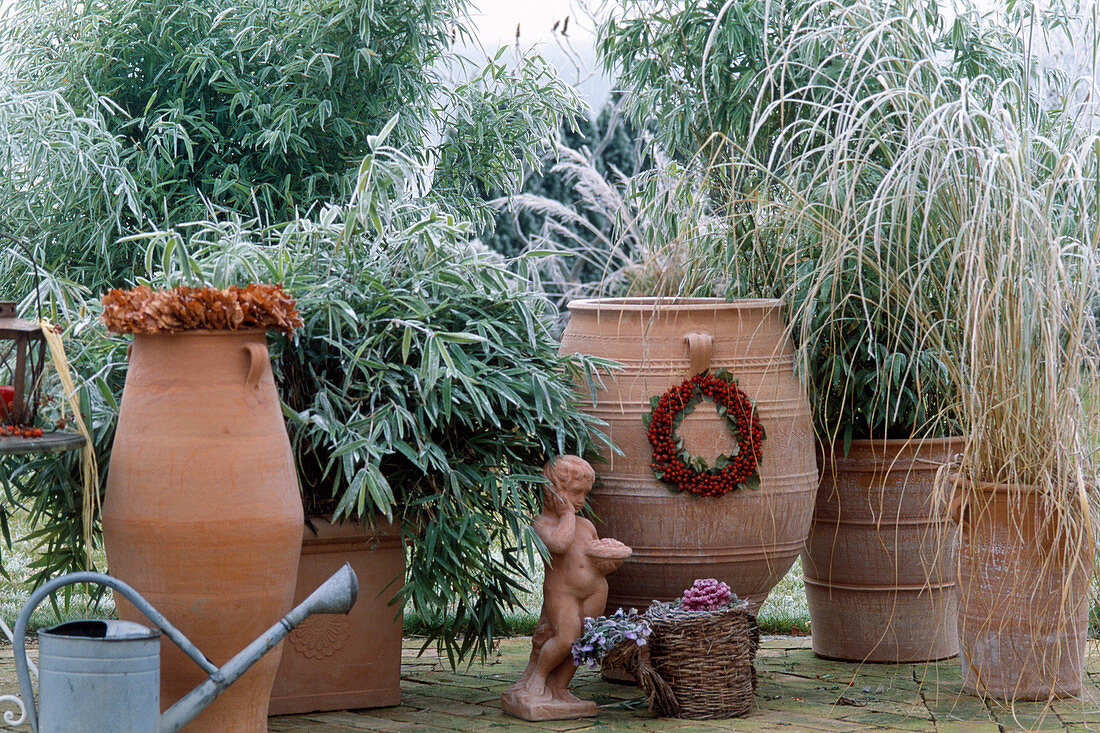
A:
(121, 117)
(696, 65)
(424, 387)
(258, 107)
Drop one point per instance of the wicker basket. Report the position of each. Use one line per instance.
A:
(697, 665)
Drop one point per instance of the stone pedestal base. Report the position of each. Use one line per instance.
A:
(521, 705)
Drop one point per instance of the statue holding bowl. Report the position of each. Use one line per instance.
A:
(574, 588)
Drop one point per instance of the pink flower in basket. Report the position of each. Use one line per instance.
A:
(706, 594)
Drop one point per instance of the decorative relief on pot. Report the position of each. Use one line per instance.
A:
(320, 636)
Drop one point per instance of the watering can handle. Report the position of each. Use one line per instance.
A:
(20, 633)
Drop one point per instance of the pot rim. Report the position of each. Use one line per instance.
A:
(931, 453)
(645, 304)
(203, 332)
(869, 442)
(381, 525)
(958, 481)
(1020, 500)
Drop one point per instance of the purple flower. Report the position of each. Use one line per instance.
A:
(603, 634)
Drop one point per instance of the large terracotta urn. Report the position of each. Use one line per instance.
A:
(879, 563)
(202, 513)
(1023, 594)
(748, 538)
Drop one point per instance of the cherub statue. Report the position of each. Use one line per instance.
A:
(574, 588)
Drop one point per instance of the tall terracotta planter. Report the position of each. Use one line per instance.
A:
(353, 661)
(879, 563)
(748, 538)
(1023, 596)
(202, 512)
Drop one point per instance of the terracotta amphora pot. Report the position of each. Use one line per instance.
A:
(748, 538)
(879, 564)
(345, 662)
(202, 513)
(1023, 595)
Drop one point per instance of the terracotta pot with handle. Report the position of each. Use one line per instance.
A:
(747, 538)
(1023, 595)
(202, 513)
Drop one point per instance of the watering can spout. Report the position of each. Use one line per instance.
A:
(64, 706)
(335, 595)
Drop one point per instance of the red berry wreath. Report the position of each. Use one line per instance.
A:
(673, 465)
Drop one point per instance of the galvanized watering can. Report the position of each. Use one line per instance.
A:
(104, 676)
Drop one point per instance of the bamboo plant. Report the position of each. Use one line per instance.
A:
(791, 146)
(929, 222)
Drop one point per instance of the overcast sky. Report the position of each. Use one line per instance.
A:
(497, 19)
(496, 22)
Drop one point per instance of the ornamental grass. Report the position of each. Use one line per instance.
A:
(940, 224)
(957, 216)
(928, 212)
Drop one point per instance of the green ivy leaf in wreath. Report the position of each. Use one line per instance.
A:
(674, 465)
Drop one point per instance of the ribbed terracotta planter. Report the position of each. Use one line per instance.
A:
(345, 662)
(202, 513)
(748, 538)
(1023, 596)
(879, 564)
